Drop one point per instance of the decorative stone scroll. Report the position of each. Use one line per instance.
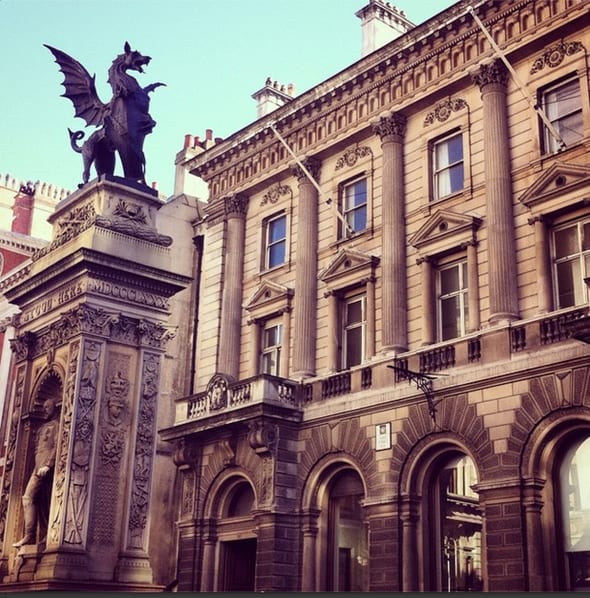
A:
(443, 110)
(554, 55)
(352, 155)
(276, 193)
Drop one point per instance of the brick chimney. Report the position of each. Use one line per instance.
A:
(272, 96)
(381, 23)
(22, 209)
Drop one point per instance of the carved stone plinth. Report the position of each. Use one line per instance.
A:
(90, 337)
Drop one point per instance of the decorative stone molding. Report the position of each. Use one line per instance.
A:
(236, 205)
(23, 345)
(392, 126)
(263, 436)
(352, 155)
(492, 73)
(313, 166)
(276, 193)
(443, 110)
(554, 55)
(217, 392)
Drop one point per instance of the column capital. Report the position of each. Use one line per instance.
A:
(313, 166)
(490, 73)
(391, 126)
(236, 205)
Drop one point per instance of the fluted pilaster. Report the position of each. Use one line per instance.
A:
(304, 312)
(391, 130)
(542, 265)
(231, 300)
(492, 80)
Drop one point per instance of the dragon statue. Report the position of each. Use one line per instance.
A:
(122, 124)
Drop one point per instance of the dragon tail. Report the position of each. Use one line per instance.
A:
(74, 137)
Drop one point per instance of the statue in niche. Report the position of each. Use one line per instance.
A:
(123, 122)
(37, 495)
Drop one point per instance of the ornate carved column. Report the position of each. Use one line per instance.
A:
(492, 80)
(542, 265)
(394, 327)
(231, 300)
(304, 345)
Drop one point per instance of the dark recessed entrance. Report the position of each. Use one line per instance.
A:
(239, 565)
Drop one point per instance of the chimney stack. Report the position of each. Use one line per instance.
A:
(381, 23)
(272, 96)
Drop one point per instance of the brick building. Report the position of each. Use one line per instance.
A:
(390, 388)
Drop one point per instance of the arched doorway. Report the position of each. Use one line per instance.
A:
(237, 544)
(339, 559)
(450, 523)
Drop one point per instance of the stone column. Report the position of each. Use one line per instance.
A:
(255, 328)
(391, 130)
(286, 337)
(472, 287)
(370, 315)
(305, 309)
(492, 80)
(428, 302)
(209, 539)
(409, 519)
(310, 535)
(542, 265)
(332, 351)
(533, 506)
(231, 299)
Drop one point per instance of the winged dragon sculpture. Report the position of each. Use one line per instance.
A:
(123, 122)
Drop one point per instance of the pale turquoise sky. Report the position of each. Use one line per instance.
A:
(212, 54)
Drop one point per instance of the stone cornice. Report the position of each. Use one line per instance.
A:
(448, 44)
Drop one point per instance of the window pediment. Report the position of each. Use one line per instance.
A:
(445, 230)
(348, 268)
(270, 298)
(558, 187)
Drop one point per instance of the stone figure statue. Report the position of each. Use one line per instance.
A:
(36, 497)
(123, 122)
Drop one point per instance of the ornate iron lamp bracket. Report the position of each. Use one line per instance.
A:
(423, 383)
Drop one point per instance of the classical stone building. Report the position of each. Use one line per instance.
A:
(391, 384)
(362, 364)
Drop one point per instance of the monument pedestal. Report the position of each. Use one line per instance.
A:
(91, 336)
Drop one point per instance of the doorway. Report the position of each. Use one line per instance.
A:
(239, 565)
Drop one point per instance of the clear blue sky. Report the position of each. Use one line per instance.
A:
(212, 55)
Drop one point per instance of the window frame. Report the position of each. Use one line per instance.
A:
(436, 172)
(274, 351)
(580, 256)
(343, 232)
(268, 245)
(549, 144)
(462, 293)
(347, 328)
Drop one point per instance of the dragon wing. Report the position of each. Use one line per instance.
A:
(80, 88)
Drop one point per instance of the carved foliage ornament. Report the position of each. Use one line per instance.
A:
(351, 156)
(275, 194)
(312, 165)
(443, 110)
(494, 72)
(236, 205)
(554, 55)
(393, 125)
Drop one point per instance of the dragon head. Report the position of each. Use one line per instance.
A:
(134, 60)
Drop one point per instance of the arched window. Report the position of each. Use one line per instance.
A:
(453, 535)
(574, 491)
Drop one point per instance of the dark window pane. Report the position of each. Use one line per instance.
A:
(354, 346)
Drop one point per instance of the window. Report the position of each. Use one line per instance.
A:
(447, 165)
(271, 349)
(571, 247)
(562, 104)
(354, 323)
(575, 506)
(275, 241)
(354, 206)
(452, 300)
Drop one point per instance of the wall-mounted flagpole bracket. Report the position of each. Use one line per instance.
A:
(423, 383)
